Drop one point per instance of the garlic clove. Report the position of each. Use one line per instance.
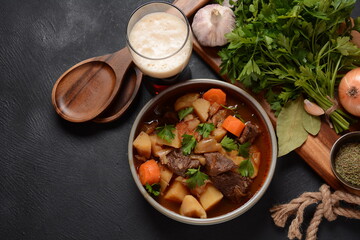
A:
(211, 23)
(226, 3)
(312, 108)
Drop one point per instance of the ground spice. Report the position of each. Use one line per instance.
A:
(347, 163)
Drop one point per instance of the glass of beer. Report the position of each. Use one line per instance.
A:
(159, 39)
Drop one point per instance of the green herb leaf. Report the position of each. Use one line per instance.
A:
(166, 132)
(229, 144)
(205, 129)
(246, 168)
(153, 189)
(311, 124)
(184, 112)
(289, 127)
(196, 178)
(346, 47)
(188, 143)
(244, 149)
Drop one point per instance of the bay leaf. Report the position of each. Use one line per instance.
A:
(312, 124)
(289, 127)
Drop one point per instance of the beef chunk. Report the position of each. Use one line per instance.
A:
(232, 185)
(217, 163)
(179, 163)
(249, 133)
(219, 117)
(170, 117)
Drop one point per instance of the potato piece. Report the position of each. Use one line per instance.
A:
(218, 134)
(157, 142)
(234, 156)
(201, 158)
(185, 101)
(198, 190)
(157, 150)
(255, 156)
(189, 117)
(142, 144)
(201, 108)
(256, 170)
(165, 177)
(210, 197)
(176, 192)
(207, 145)
(232, 153)
(155, 147)
(190, 207)
(175, 143)
(255, 159)
(237, 160)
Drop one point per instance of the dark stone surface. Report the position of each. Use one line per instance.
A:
(60, 180)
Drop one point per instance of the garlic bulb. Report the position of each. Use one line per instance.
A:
(211, 23)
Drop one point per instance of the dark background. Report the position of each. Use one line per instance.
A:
(60, 180)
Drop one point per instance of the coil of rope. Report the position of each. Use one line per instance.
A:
(328, 207)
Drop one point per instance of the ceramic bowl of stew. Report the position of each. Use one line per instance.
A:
(209, 172)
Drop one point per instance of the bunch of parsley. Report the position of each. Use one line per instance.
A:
(292, 48)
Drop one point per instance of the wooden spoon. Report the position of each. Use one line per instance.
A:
(87, 89)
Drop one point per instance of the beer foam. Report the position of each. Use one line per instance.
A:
(158, 36)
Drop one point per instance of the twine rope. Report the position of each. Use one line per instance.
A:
(330, 110)
(328, 208)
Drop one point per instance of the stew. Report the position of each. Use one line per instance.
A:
(203, 154)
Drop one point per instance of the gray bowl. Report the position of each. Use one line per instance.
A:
(351, 137)
(197, 85)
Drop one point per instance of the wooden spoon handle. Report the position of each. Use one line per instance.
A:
(190, 7)
(120, 61)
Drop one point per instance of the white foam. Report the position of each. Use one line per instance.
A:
(160, 35)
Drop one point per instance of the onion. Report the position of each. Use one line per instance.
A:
(349, 92)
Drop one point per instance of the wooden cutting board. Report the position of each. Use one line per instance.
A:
(316, 150)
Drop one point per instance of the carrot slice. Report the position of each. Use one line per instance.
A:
(215, 95)
(149, 172)
(233, 125)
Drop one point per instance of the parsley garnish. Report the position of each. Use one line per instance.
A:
(188, 143)
(184, 112)
(244, 149)
(205, 129)
(166, 132)
(246, 169)
(196, 178)
(229, 144)
(153, 189)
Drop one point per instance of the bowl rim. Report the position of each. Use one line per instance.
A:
(248, 204)
(346, 138)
